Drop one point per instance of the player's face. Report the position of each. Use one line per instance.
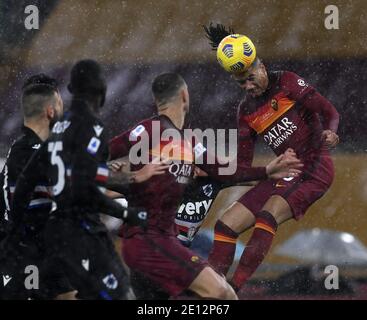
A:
(186, 100)
(59, 106)
(57, 109)
(254, 81)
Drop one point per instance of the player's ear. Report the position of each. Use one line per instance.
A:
(184, 95)
(50, 111)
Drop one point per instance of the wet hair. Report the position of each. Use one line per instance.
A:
(166, 86)
(37, 91)
(217, 33)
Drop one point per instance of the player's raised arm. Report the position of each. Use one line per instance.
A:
(306, 95)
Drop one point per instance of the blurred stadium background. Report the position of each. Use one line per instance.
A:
(136, 40)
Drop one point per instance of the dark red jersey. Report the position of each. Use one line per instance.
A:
(162, 194)
(290, 114)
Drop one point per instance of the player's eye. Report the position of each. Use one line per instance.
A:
(241, 81)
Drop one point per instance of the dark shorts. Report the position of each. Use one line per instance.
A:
(163, 260)
(25, 275)
(89, 259)
(300, 192)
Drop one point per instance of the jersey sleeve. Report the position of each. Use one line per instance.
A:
(295, 86)
(90, 172)
(299, 90)
(245, 151)
(26, 182)
(120, 145)
(16, 160)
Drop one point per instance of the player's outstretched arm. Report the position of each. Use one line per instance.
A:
(89, 174)
(312, 100)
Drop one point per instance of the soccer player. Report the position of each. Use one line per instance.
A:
(74, 158)
(286, 112)
(41, 106)
(157, 254)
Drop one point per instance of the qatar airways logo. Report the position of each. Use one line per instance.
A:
(182, 172)
(183, 148)
(280, 133)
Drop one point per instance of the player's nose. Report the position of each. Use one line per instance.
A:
(248, 85)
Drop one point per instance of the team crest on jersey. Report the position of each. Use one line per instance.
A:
(110, 281)
(195, 259)
(274, 104)
(208, 189)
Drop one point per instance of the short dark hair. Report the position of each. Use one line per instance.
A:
(40, 79)
(166, 86)
(34, 98)
(87, 77)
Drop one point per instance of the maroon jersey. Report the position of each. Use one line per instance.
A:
(290, 114)
(162, 194)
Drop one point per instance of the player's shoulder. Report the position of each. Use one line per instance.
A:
(287, 77)
(145, 125)
(25, 144)
(85, 123)
(243, 106)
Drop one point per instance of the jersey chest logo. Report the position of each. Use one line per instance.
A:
(267, 114)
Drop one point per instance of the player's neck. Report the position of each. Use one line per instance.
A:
(40, 128)
(174, 114)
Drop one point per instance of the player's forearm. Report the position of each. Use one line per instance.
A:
(317, 103)
(116, 178)
(119, 188)
(100, 202)
(242, 173)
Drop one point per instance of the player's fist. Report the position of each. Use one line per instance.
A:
(135, 216)
(331, 138)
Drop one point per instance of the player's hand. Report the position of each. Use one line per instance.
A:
(290, 153)
(117, 165)
(135, 216)
(149, 170)
(331, 138)
(286, 165)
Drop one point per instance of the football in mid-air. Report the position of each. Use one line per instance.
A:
(236, 53)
